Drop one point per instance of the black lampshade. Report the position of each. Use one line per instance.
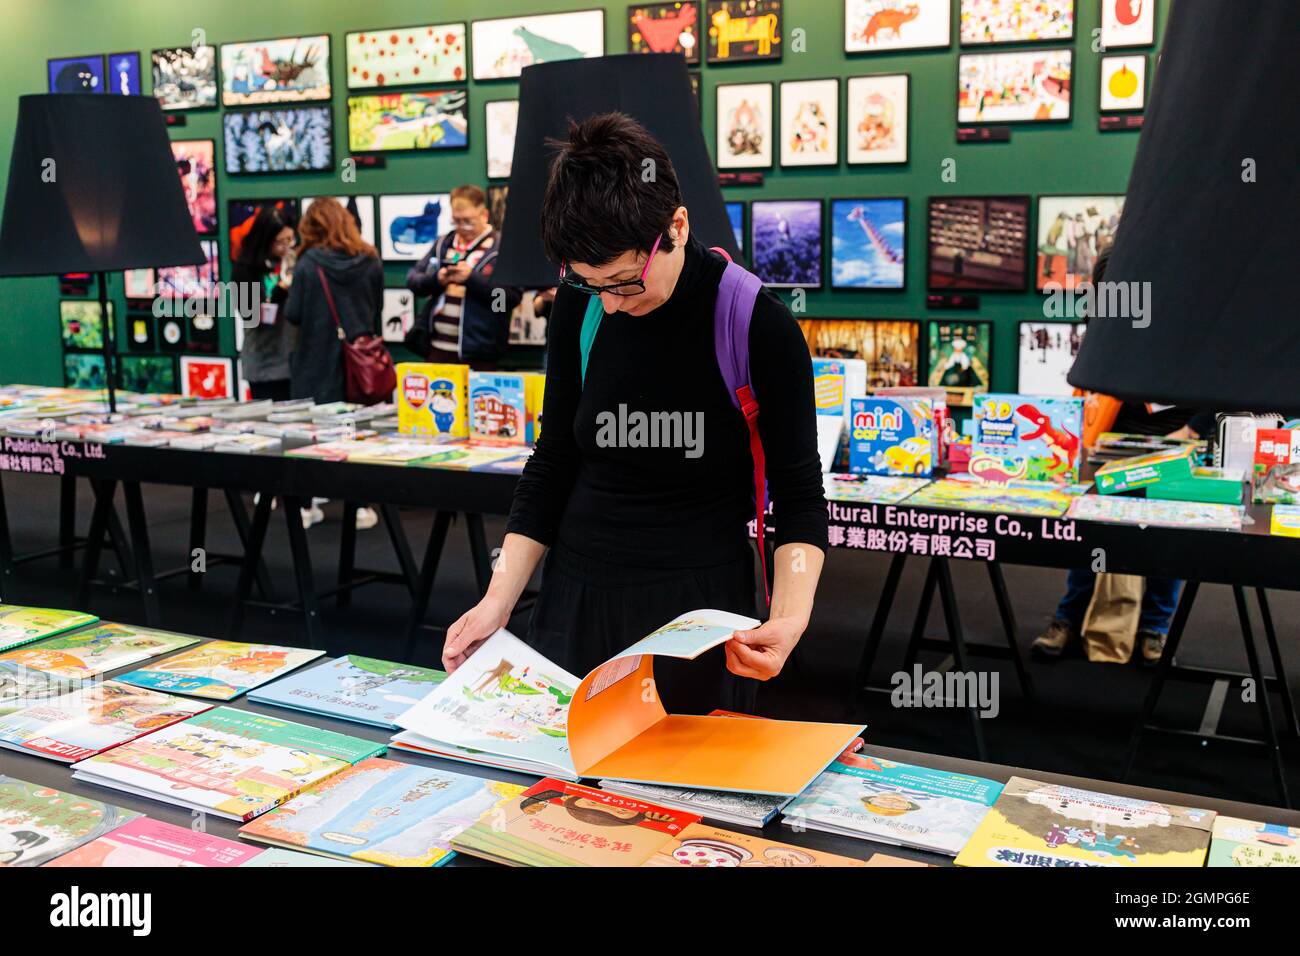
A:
(1210, 221)
(655, 90)
(93, 188)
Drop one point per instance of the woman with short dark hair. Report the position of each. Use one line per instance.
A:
(642, 530)
(268, 343)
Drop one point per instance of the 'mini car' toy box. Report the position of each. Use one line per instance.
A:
(892, 436)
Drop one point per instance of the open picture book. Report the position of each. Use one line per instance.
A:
(507, 706)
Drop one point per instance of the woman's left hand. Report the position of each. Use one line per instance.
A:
(762, 652)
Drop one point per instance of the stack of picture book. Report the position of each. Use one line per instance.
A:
(1149, 512)
(22, 625)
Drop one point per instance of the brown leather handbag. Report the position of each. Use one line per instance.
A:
(368, 371)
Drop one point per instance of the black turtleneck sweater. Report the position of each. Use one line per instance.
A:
(660, 507)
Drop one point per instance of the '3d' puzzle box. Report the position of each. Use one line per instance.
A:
(1026, 438)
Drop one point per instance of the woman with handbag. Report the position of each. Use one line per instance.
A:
(335, 301)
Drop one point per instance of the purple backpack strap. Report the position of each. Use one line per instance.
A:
(732, 313)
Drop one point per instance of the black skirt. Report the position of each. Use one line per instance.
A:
(589, 610)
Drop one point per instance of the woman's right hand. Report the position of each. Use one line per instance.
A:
(471, 629)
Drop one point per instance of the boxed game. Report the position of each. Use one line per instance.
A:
(498, 407)
(1285, 521)
(432, 399)
(1026, 438)
(534, 393)
(1129, 473)
(1223, 485)
(892, 436)
(828, 400)
(1277, 466)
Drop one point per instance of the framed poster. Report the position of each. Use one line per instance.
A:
(1072, 231)
(81, 324)
(290, 140)
(148, 374)
(283, 70)
(810, 122)
(409, 225)
(84, 370)
(744, 125)
(398, 314)
(409, 120)
(242, 213)
(665, 28)
(1123, 83)
(960, 359)
(123, 77)
(875, 26)
(740, 31)
(891, 348)
(201, 331)
(736, 216)
(171, 333)
(785, 242)
(500, 118)
(140, 332)
(76, 74)
(1020, 86)
(869, 243)
(501, 48)
(405, 56)
(185, 78)
(1047, 350)
(186, 282)
(138, 284)
(1127, 23)
(496, 196)
(196, 161)
(207, 377)
(877, 123)
(1015, 21)
(977, 243)
(362, 209)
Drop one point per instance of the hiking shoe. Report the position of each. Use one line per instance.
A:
(1053, 641)
(1153, 646)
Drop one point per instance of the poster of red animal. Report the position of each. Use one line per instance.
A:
(873, 26)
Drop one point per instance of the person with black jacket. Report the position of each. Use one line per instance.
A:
(641, 532)
(268, 342)
(467, 317)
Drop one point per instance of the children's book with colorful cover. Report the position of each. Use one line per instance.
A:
(92, 651)
(22, 686)
(382, 811)
(463, 457)
(700, 845)
(356, 688)
(1237, 842)
(276, 858)
(892, 436)
(229, 762)
(1043, 498)
(146, 842)
(433, 399)
(1276, 478)
(871, 489)
(1285, 521)
(93, 718)
(498, 407)
(1026, 438)
(873, 798)
(39, 823)
(21, 625)
(1150, 512)
(1126, 474)
(830, 402)
(557, 823)
(221, 670)
(738, 809)
(1034, 823)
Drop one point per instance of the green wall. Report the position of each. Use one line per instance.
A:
(1063, 158)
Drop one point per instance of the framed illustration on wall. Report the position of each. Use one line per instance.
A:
(81, 324)
(138, 284)
(207, 377)
(148, 374)
(1123, 83)
(877, 119)
(744, 125)
(183, 282)
(409, 120)
(977, 243)
(1072, 231)
(665, 28)
(196, 161)
(283, 70)
(740, 31)
(1127, 23)
(785, 242)
(398, 314)
(1047, 350)
(171, 333)
(736, 216)
(1015, 21)
(868, 243)
(140, 332)
(810, 122)
(201, 332)
(291, 140)
(874, 26)
(242, 213)
(362, 209)
(123, 77)
(1020, 86)
(405, 56)
(84, 370)
(500, 117)
(76, 74)
(409, 225)
(891, 348)
(960, 355)
(185, 78)
(501, 48)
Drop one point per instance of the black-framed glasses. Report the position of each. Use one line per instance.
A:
(630, 287)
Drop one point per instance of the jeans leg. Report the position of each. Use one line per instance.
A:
(1078, 592)
(1159, 601)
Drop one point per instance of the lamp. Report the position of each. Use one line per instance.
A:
(1209, 222)
(93, 188)
(655, 90)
